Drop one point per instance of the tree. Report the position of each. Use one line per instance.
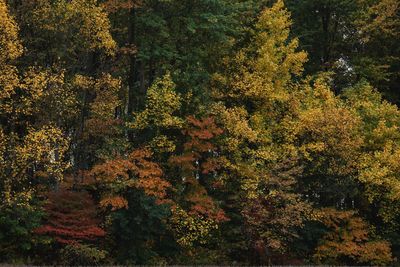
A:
(352, 39)
(82, 30)
(348, 239)
(18, 218)
(378, 25)
(255, 94)
(27, 149)
(199, 132)
(136, 194)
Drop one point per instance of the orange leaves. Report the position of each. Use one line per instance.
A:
(112, 170)
(184, 161)
(349, 237)
(206, 128)
(135, 171)
(211, 165)
(149, 174)
(156, 187)
(116, 202)
(198, 159)
(143, 167)
(136, 165)
(201, 134)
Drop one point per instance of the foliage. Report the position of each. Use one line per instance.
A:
(137, 171)
(18, 218)
(71, 218)
(82, 255)
(69, 30)
(190, 228)
(199, 132)
(139, 232)
(9, 41)
(255, 153)
(349, 237)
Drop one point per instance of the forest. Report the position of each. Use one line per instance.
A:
(200, 132)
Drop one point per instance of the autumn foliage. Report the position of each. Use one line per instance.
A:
(199, 159)
(349, 238)
(71, 218)
(135, 171)
(179, 132)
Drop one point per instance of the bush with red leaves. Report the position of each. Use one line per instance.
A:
(71, 218)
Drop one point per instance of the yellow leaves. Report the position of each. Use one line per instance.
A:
(250, 186)
(379, 172)
(317, 94)
(380, 19)
(41, 150)
(3, 142)
(382, 133)
(326, 132)
(46, 146)
(161, 103)
(95, 27)
(83, 23)
(236, 124)
(275, 21)
(190, 229)
(10, 49)
(378, 163)
(9, 81)
(277, 61)
(262, 72)
(33, 85)
(10, 46)
(19, 199)
(106, 90)
(369, 105)
(104, 95)
(162, 144)
(38, 92)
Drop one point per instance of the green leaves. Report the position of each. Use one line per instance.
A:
(18, 218)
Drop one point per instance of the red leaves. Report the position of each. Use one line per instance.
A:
(71, 218)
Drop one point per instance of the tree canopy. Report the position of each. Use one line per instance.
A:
(208, 132)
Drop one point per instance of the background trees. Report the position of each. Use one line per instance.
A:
(199, 132)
